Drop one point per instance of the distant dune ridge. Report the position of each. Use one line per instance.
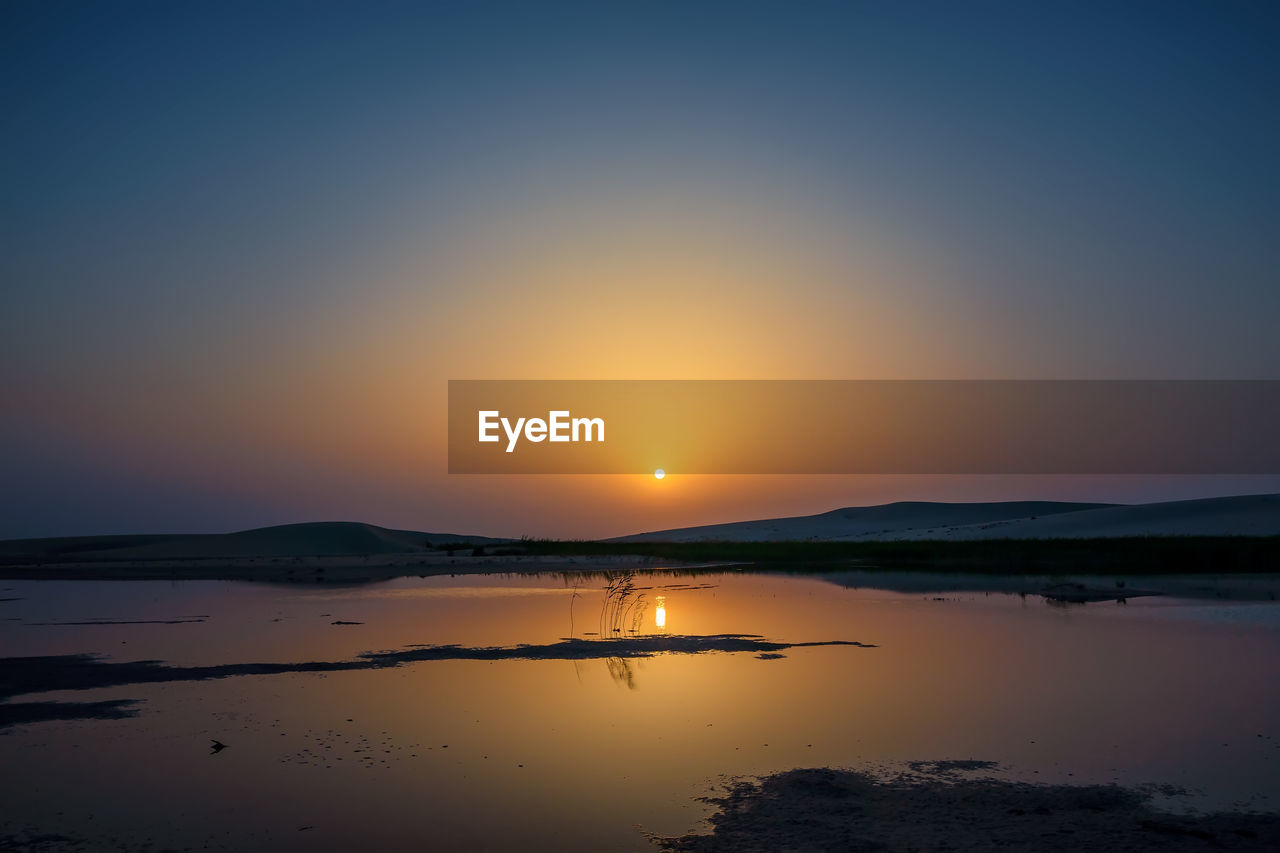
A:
(1244, 515)
(313, 539)
(869, 522)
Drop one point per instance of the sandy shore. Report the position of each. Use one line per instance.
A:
(336, 569)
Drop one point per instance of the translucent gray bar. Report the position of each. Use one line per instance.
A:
(868, 427)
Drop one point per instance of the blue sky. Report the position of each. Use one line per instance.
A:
(216, 212)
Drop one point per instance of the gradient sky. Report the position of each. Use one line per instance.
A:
(243, 246)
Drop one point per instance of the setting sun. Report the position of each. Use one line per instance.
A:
(658, 474)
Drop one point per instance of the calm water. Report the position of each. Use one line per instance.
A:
(593, 753)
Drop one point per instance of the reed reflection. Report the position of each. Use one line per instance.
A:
(622, 671)
(622, 612)
(624, 608)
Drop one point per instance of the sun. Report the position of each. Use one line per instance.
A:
(658, 474)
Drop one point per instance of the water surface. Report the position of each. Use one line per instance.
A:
(596, 751)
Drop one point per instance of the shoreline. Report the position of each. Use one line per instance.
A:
(1072, 587)
(330, 569)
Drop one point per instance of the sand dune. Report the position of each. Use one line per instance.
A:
(1245, 515)
(886, 521)
(315, 539)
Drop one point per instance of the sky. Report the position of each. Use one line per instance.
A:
(244, 246)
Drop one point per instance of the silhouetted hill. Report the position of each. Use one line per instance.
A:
(313, 539)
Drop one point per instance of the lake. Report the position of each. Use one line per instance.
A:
(637, 693)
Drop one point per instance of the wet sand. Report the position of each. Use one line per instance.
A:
(446, 677)
(940, 806)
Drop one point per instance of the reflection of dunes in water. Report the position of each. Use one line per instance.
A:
(23, 675)
(433, 592)
(656, 576)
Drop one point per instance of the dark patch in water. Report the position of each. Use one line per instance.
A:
(21, 675)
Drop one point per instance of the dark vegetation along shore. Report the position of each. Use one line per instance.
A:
(1139, 554)
(352, 552)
